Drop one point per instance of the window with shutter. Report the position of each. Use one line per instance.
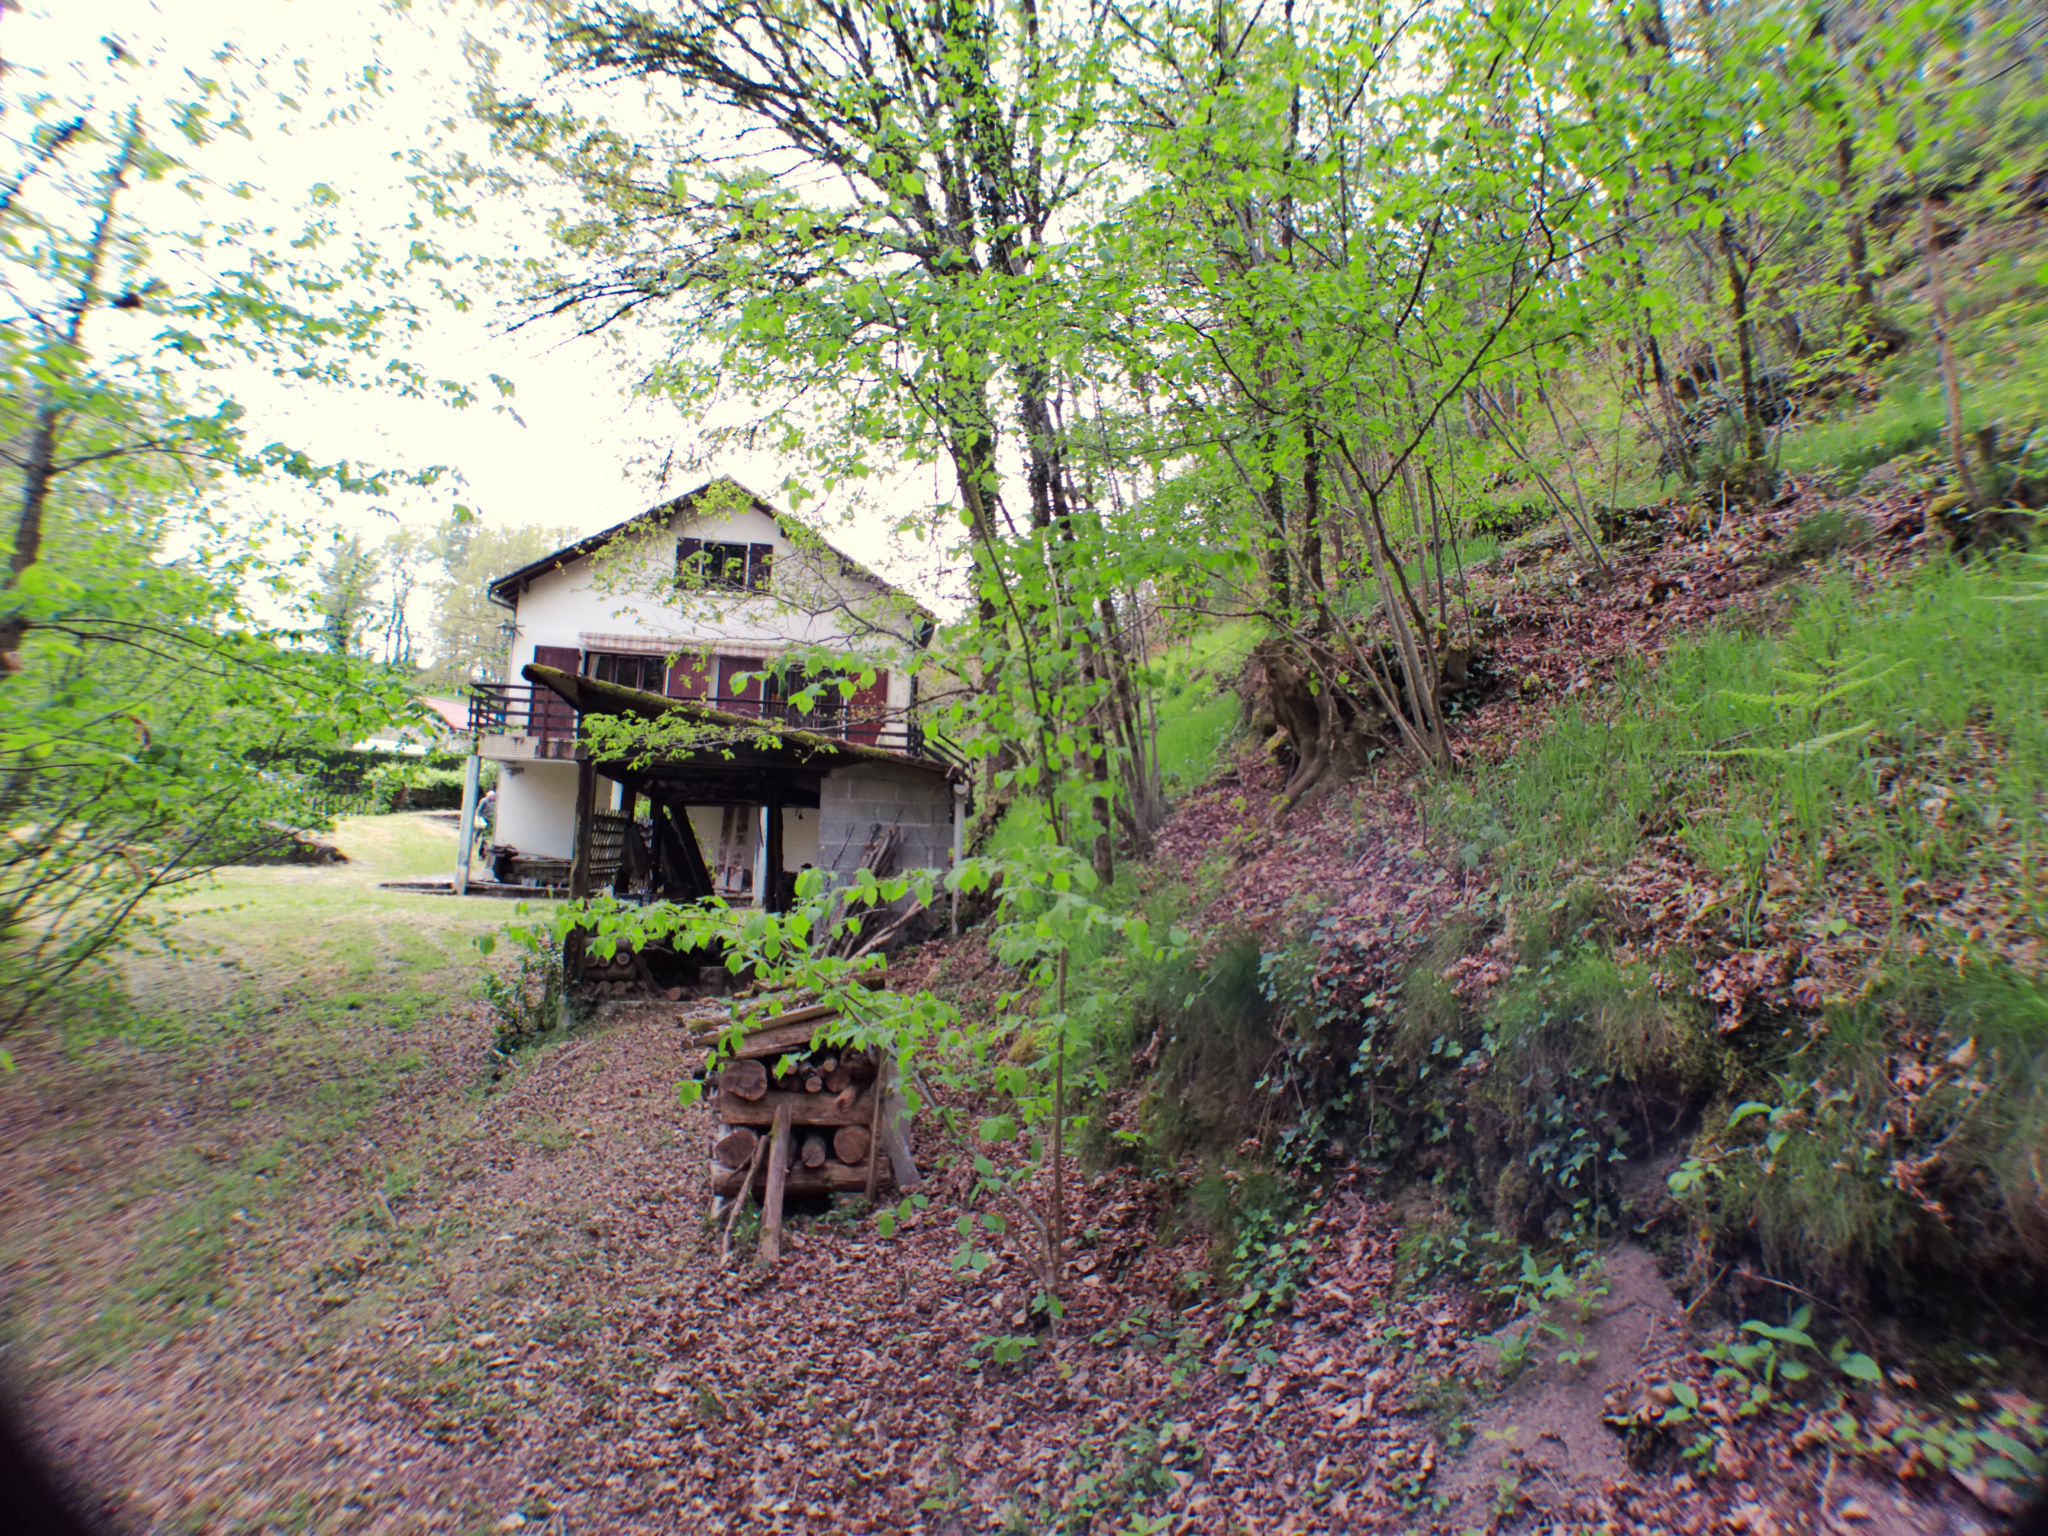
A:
(760, 560)
(700, 563)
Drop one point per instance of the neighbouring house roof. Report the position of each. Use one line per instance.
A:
(454, 713)
(589, 696)
(505, 589)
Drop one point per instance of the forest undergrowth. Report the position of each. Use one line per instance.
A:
(1725, 937)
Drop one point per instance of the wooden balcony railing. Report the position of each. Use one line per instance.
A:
(526, 709)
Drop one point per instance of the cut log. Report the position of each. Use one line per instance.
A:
(809, 1109)
(814, 1082)
(850, 1144)
(735, 1148)
(832, 1179)
(780, 1025)
(838, 1079)
(765, 1043)
(778, 1177)
(814, 1149)
(748, 1079)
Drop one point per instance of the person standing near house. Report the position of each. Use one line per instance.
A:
(486, 811)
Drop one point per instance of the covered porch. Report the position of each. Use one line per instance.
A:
(742, 815)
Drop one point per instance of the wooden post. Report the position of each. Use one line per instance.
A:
(959, 849)
(579, 863)
(586, 808)
(761, 862)
(889, 1133)
(467, 836)
(629, 799)
(778, 1176)
(772, 842)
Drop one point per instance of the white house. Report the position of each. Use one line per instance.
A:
(718, 608)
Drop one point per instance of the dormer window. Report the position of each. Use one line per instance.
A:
(727, 567)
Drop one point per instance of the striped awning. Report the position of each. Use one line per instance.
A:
(669, 645)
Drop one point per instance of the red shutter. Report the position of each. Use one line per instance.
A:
(727, 667)
(867, 709)
(688, 575)
(689, 676)
(552, 715)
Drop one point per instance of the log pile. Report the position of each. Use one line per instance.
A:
(799, 1117)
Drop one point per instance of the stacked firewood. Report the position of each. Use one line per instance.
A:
(797, 1117)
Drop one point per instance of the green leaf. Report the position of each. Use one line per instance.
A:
(1862, 1368)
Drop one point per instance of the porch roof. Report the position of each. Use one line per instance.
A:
(766, 743)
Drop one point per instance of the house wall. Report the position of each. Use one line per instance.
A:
(612, 592)
(537, 808)
(857, 798)
(800, 842)
(799, 836)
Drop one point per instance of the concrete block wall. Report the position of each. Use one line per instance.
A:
(857, 798)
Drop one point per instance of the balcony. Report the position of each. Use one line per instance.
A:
(532, 721)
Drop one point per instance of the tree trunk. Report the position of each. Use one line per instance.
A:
(1745, 352)
(1951, 372)
(41, 469)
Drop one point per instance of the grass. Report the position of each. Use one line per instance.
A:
(285, 996)
(1904, 735)
(1903, 421)
(317, 945)
(1197, 701)
(1859, 789)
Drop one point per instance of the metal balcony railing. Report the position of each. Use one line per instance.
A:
(525, 709)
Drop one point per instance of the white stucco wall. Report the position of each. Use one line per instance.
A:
(799, 839)
(614, 593)
(537, 808)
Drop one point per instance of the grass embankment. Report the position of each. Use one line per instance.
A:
(1775, 907)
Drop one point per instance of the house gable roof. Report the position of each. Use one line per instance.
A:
(505, 589)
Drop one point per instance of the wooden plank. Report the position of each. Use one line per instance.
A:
(892, 1131)
(770, 895)
(774, 1042)
(687, 874)
(586, 797)
(808, 1108)
(832, 1179)
(778, 1178)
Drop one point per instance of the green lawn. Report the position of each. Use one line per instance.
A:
(319, 944)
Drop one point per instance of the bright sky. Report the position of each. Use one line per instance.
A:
(580, 452)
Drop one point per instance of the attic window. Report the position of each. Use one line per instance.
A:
(731, 567)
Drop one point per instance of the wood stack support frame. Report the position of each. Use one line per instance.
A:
(831, 1122)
